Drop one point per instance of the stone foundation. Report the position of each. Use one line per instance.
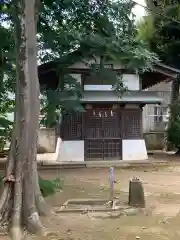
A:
(73, 151)
(134, 149)
(155, 140)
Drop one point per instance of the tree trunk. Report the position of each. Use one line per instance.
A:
(21, 201)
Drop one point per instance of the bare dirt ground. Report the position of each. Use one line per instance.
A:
(160, 221)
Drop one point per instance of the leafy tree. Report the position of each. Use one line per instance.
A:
(91, 28)
(164, 30)
(7, 76)
(95, 28)
(162, 33)
(55, 103)
(173, 132)
(85, 29)
(5, 129)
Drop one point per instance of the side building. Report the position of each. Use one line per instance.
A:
(156, 117)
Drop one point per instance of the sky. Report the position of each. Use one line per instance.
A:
(138, 10)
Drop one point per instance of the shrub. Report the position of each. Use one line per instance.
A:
(47, 187)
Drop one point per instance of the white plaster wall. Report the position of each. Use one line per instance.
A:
(134, 150)
(97, 87)
(131, 81)
(70, 151)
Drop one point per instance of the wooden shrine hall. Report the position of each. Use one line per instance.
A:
(111, 126)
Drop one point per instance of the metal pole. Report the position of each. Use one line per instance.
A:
(111, 179)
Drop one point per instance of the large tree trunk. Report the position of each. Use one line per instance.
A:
(21, 201)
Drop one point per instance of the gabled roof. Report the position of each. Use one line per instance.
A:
(50, 70)
(160, 73)
(168, 67)
(64, 61)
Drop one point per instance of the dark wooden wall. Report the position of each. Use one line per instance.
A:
(98, 123)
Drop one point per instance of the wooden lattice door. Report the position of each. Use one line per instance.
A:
(132, 124)
(93, 134)
(111, 125)
(102, 134)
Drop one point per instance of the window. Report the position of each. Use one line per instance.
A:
(160, 113)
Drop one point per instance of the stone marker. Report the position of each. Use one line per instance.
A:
(136, 193)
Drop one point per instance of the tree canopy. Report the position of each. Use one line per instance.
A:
(104, 28)
(162, 32)
(98, 27)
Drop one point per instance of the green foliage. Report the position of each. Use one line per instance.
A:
(7, 74)
(146, 29)
(72, 31)
(5, 131)
(90, 28)
(97, 28)
(65, 99)
(161, 34)
(173, 132)
(49, 187)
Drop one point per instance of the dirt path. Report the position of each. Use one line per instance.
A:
(160, 221)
